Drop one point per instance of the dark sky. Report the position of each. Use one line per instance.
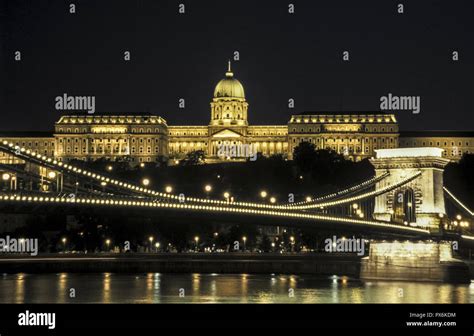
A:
(282, 56)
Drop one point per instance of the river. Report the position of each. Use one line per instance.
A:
(220, 288)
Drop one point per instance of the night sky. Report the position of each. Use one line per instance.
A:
(282, 56)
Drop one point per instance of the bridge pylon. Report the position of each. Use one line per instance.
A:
(420, 202)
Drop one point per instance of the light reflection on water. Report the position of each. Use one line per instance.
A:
(220, 288)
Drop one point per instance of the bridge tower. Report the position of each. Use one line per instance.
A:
(420, 202)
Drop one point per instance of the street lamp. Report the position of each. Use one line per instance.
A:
(208, 188)
(272, 199)
(52, 174)
(110, 168)
(169, 189)
(245, 241)
(64, 240)
(226, 195)
(308, 198)
(146, 182)
(151, 238)
(292, 240)
(157, 246)
(6, 176)
(263, 194)
(107, 242)
(196, 239)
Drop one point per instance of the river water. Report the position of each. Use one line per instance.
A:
(220, 288)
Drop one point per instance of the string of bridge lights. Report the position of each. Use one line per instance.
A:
(458, 201)
(16, 150)
(366, 183)
(360, 197)
(203, 208)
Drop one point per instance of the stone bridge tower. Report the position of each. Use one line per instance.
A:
(419, 202)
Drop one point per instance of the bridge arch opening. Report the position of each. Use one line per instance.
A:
(404, 206)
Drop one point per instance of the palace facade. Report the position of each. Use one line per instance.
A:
(143, 138)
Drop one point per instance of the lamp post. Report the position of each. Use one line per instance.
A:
(107, 243)
(64, 240)
(196, 239)
(245, 241)
(6, 177)
(151, 238)
(207, 189)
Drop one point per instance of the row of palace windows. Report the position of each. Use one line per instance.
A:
(114, 149)
(263, 134)
(133, 130)
(438, 143)
(149, 140)
(184, 133)
(36, 144)
(216, 116)
(367, 129)
(367, 140)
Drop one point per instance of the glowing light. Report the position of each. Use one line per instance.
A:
(6, 176)
(169, 189)
(263, 194)
(146, 182)
(408, 152)
(272, 199)
(208, 188)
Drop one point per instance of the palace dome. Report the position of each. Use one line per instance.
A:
(229, 87)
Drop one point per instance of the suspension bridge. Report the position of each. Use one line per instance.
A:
(404, 198)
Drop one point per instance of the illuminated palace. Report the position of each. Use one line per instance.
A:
(142, 138)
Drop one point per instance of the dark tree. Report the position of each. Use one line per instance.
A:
(193, 158)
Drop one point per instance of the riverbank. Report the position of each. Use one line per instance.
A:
(246, 263)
